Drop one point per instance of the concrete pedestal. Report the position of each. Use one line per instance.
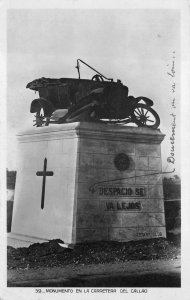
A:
(101, 182)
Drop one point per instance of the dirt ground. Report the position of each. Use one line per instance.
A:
(154, 262)
(160, 273)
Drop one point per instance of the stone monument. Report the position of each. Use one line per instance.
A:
(85, 182)
(89, 177)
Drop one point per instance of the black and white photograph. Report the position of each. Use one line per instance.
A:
(94, 158)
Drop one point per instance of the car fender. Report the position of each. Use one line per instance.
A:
(39, 103)
(146, 100)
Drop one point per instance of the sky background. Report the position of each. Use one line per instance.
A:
(136, 46)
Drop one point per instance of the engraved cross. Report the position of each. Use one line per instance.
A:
(44, 173)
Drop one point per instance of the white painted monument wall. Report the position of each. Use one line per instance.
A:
(55, 220)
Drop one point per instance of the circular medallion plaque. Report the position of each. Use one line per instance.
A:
(122, 162)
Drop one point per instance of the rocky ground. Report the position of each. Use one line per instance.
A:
(51, 254)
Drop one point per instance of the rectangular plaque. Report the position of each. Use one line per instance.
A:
(121, 191)
(152, 234)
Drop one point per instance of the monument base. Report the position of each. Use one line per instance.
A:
(87, 182)
(17, 240)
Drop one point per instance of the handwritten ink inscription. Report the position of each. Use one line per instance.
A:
(171, 158)
(109, 191)
(123, 206)
(172, 75)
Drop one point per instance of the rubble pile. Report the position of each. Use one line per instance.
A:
(51, 254)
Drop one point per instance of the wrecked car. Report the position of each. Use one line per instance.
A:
(99, 99)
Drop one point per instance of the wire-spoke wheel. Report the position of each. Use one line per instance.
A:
(144, 116)
(97, 77)
(40, 119)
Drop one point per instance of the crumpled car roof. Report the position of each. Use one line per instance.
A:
(45, 82)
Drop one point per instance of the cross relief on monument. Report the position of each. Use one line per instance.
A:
(44, 173)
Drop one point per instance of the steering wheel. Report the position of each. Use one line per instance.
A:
(97, 78)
